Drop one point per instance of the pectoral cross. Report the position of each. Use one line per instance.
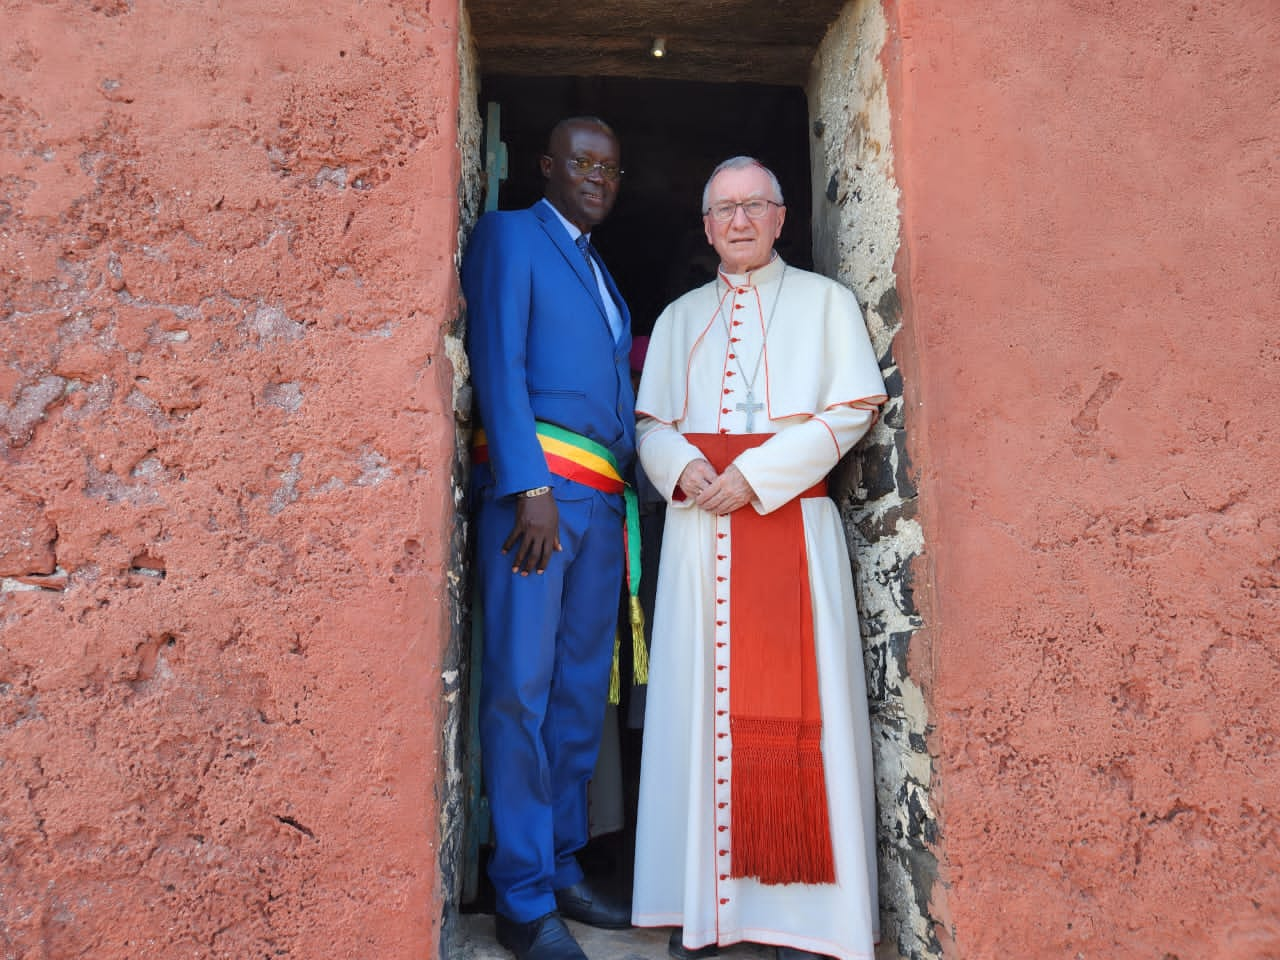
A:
(750, 407)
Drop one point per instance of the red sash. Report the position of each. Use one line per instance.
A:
(778, 795)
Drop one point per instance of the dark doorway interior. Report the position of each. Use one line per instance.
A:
(673, 133)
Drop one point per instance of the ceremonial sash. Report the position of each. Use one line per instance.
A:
(581, 459)
(777, 792)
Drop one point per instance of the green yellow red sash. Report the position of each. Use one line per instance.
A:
(581, 459)
(569, 455)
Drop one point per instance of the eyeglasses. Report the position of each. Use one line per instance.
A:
(755, 209)
(583, 166)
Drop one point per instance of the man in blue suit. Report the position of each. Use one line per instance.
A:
(549, 343)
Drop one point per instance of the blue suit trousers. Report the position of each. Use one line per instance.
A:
(548, 646)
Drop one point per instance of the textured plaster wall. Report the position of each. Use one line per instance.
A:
(227, 234)
(856, 235)
(1090, 228)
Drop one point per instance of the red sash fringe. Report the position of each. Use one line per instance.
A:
(778, 794)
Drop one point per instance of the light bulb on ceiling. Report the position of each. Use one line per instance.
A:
(659, 48)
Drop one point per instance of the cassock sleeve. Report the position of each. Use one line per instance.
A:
(660, 401)
(798, 456)
(664, 454)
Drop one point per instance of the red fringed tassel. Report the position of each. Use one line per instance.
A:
(781, 831)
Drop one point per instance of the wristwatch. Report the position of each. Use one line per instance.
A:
(534, 492)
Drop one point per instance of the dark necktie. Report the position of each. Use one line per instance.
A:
(589, 253)
(584, 247)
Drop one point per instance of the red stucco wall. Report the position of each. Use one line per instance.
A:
(1090, 242)
(226, 240)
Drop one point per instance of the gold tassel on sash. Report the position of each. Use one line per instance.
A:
(615, 673)
(639, 655)
(639, 652)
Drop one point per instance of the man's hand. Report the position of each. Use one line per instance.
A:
(695, 478)
(537, 531)
(727, 492)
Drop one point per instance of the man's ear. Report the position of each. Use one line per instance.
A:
(782, 216)
(545, 166)
(706, 229)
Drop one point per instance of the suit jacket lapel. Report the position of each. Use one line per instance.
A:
(555, 230)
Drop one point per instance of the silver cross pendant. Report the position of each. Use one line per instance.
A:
(750, 407)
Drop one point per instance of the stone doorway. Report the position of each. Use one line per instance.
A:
(805, 92)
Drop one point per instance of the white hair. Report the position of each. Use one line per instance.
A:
(741, 163)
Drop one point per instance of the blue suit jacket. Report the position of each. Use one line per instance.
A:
(540, 345)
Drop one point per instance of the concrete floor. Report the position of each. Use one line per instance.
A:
(478, 943)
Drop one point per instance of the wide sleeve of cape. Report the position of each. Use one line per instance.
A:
(826, 373)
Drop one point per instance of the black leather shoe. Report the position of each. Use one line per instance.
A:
(791, 953)
(546, 938)
(677, 949)
(586, 905)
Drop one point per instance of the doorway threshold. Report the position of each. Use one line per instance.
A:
(638, 943)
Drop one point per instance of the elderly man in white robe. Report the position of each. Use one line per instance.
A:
(756, 816)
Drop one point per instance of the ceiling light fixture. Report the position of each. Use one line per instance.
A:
(659, 48)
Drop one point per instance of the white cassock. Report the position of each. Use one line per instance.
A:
(819, 385)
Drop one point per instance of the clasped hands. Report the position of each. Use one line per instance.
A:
(716, 493)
